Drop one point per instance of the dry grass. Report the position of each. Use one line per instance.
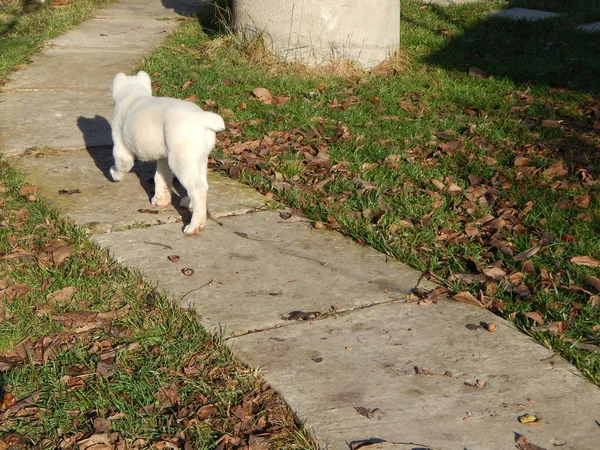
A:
(257, 52)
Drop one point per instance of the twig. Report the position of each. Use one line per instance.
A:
(245, 236)
(323, 263)
(211, 281)
(168, 247)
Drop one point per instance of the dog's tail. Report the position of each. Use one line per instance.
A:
(212, 121)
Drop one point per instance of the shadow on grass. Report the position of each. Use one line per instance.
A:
(548, 52)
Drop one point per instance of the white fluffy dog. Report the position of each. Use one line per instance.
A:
(177, 134)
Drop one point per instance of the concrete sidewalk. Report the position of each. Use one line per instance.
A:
(331, 324)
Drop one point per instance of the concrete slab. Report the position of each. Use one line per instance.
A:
(325, 369)
(523, 14)
(262, 268)
(128, 9)
(54, 118)
(104, 206)
(590, 27)
(116, 34)
(95, 70)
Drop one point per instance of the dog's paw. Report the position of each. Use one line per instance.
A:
(185, 202)
(188, 231)
(115, 174)
(160, 201)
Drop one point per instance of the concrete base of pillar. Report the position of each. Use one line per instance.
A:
(321, 31)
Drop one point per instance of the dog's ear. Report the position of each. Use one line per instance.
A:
(145, 78)
(117, 82)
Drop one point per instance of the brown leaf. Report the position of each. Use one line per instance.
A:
(263, 95)
(527, 253)
(495, 273)
(258, 442)
(168, 396)
(584, 261)
(522, 291)
(101, 425)
(558, 169)
(551, 123)
(583, 201)
(467, 297)
(207, 411)
(523, 443)
(366, 412)
(528, 267)
(61, 254)
(187, 271)
(592, 281)
(28, 190)
(535, 316)
(13, 291)
(63, 295)
(174, 258)
(408, 107)
(105, 369)
(7, 400)
(97, 441)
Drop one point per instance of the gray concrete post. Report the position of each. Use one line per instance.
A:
(322, 31)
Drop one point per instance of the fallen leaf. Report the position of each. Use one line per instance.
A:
(187, 271)
(583, 201)
(101, 425)
(558, 169)
(527, 253)
(105, 370)
(467, 297)
(523, 443)
(522, 291)
(61, 254)
(168, 396)
(422, 371)
(592, 281)
(263, 95)
(495, 273)
(535, 316)
(584, 261)
(366, 412)
(7, 400)
(63, 295)
(97, 441)
(173, 258)
(28, 190)
(551, 123)
(207, 411)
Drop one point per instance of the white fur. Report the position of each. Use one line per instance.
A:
(178, 135)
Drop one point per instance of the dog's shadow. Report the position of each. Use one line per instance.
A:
(97, 136)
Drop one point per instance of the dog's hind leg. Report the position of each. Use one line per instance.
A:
(163, 183)
(196, 185)
(123, 161)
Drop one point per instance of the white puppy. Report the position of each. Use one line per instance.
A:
(177, 134)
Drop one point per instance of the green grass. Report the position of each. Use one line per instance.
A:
(150, 345)
(26, 25)
(391, 137)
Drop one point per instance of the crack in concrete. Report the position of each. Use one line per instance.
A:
(326, 315)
